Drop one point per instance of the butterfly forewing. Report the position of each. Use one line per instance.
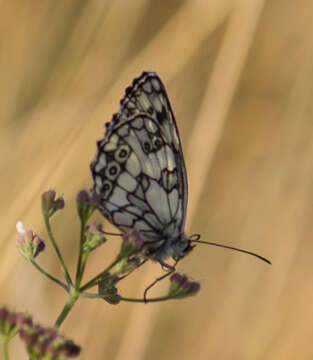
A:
(139, 172)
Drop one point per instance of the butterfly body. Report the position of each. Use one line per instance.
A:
(139, 173)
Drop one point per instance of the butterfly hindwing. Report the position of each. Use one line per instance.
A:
(136, 177)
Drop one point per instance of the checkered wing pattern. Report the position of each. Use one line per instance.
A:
(139, 172)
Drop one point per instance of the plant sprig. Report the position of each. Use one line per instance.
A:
(92, 236)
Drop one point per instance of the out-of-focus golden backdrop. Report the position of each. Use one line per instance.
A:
(239, 75)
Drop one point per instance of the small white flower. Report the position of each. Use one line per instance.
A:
(20, 227)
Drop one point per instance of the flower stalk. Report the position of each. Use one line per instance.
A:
(131, 256)
(56, 248)
(74, 295)
(4, 341)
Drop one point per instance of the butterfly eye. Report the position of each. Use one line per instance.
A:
(113, 170)
(187, 249)
(146, 147)
(157, 142)
(121, 154)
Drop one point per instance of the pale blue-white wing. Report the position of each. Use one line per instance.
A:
(137, 177)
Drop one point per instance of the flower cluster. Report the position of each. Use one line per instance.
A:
(107, 289)
(132, 244)
(127, 261)
(45, 342)
(50, 204)
(87, 201)
(28, 243)
(41, 342)
(126, 265)
(94, 236)
(181, 286)
(8, 322)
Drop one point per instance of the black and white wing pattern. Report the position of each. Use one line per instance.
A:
(139, 172)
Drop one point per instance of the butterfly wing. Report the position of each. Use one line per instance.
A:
(147, 95)
(139, 171)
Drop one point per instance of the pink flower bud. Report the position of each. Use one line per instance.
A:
(181, 286)
(50, 204)
(29, 244)
(86, 204)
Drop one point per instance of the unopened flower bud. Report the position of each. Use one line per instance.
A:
(94, 236)
(47, 343)
(132, 244)
(181, 286)
(50, 204)
(24, 319)
(28, 244)
(107, 288)
(87, 202)
(8, 322)
(126, 265)
(70, 349)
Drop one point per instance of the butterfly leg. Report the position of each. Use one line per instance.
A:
(169, 268)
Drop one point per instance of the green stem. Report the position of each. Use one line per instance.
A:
(65, 271)
(74, 295)
(59, 282)
(94, 280)
(80, 269)
(4, 347)
(157, 299)
(91, 296)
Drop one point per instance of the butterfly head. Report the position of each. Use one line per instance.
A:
(176, 248)
(182, 247)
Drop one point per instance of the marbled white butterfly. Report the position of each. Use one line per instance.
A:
(139, 172)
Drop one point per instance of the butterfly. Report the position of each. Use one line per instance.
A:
(139, 174)
(139, 171)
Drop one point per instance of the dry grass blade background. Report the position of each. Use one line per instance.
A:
(239, 75)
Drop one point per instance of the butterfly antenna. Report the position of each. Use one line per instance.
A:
(197, 237)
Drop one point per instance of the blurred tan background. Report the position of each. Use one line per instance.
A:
(239, 75)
